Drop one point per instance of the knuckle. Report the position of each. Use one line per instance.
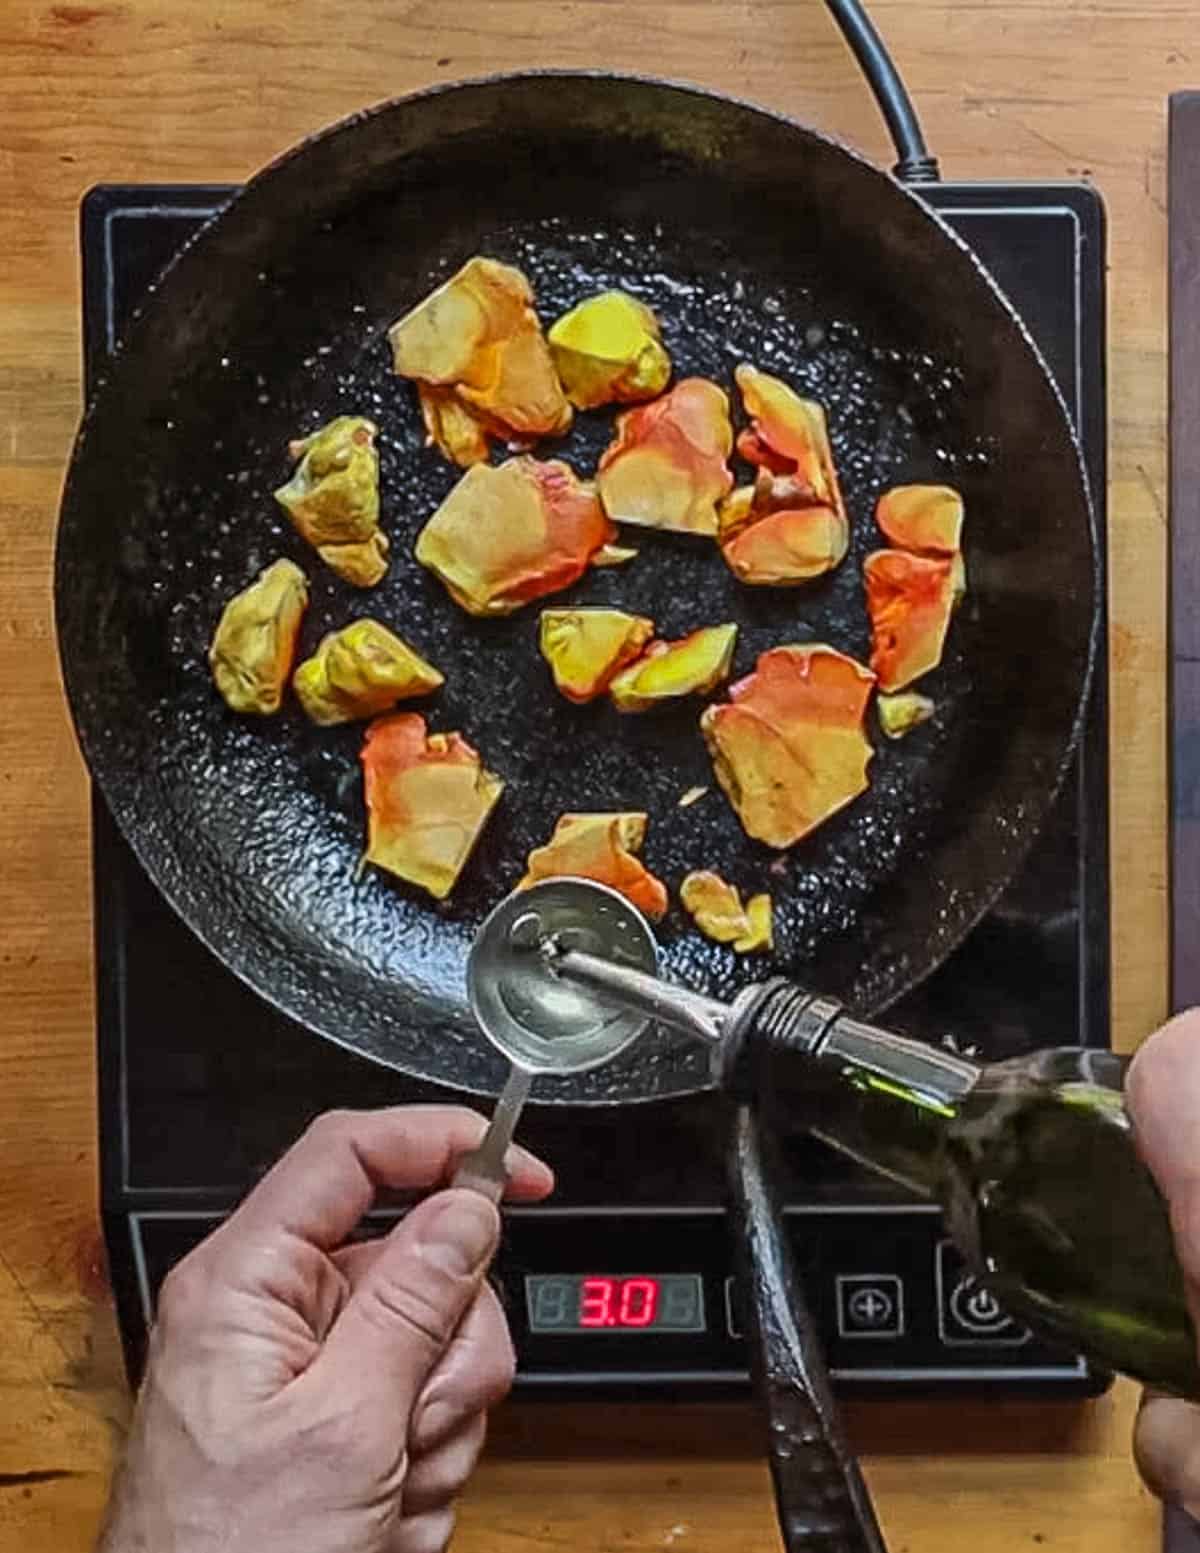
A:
(436, 1483)
(331, 1126)
(446, 1121)
(1167, 1449)
(186, 1295)
(427, 1533)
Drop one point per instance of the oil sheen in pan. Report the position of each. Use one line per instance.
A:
(892, 417)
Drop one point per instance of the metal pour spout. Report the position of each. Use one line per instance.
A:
(626, 988)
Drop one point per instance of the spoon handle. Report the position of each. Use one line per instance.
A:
(482, 1170)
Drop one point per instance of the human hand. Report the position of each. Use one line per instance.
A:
(1162, 1091)
(309, 1395)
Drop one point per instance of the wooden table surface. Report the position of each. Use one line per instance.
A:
(149, 89)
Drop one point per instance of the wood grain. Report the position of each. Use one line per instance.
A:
(148, 89)
(1184, 207)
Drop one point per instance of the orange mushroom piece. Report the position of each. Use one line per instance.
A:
(789, 436)
(667, 467)
(771, 538)
(789, 748)
(585, 648)
(667, 670)
(926, 519)
(477, 348)
(512, 533)
(600, 847)
(910, 599)
(428, 799)
(717, 910)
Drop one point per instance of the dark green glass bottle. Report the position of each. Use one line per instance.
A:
(1033, 1160)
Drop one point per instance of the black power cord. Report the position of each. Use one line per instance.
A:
(916, 164)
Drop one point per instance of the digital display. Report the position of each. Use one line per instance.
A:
(606, 1302)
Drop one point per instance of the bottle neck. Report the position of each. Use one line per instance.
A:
(881, 1098)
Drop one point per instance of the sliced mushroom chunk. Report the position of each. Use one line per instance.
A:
(428, 798)
(910, 599)
(600, 847)
(667, 670)
(586, 648)
(510, 534)
(476, 349)
(255, 641)
(788, 748)
(609, 350)
(333, 498)
(717, 910)
(360, 671)
(668, 466)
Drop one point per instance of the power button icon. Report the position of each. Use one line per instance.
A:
(977, 1308)
(969, 1314)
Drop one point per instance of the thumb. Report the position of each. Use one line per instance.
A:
(1162, 1092)
(1166, 1447)
(404, 1313)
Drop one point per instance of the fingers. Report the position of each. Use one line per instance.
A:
(324, 1184)
(1162, 1089)
(406, 1307)
(436, 1480)
(424, 1533)
(474, 1374)
(1166, 1446)
(1162, 1092)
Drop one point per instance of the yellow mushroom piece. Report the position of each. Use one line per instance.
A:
(609, 350)
(900, 714)
(667, 670)
(614, 555)
(360, 671)
(255, 640)
(333, 498)
(716, 907)
(585, 647)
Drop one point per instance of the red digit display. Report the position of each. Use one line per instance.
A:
(615, 1302)
(639, 1302)
(618, 1302)
(596, 1296)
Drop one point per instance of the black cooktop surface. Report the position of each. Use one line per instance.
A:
(202, 1084)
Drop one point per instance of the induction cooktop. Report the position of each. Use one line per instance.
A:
(624, 1284)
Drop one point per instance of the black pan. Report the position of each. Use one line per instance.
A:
(753, 239)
